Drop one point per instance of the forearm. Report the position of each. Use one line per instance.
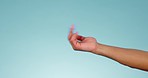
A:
(130, 57)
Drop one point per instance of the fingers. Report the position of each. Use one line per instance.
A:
(74, 41)
(81, 38)
(71, 32)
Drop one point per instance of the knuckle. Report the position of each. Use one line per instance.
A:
(71, 40)
(91, 37)
(75, 48)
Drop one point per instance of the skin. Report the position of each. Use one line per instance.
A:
(130, 57)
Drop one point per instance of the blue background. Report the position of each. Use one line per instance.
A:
(33, 37)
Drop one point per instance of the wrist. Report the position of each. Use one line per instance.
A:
(98, 49)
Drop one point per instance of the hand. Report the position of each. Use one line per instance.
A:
(81, 43)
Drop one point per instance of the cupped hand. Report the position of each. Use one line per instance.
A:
(81, 43)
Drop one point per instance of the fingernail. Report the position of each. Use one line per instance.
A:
(72, 26)
(77, 33)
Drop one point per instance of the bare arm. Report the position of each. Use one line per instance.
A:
(129, 57)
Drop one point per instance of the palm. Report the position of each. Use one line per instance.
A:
(88, 44)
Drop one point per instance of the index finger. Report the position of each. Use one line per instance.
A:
(71, 31)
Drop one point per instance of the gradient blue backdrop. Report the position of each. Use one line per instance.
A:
(33, 37)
